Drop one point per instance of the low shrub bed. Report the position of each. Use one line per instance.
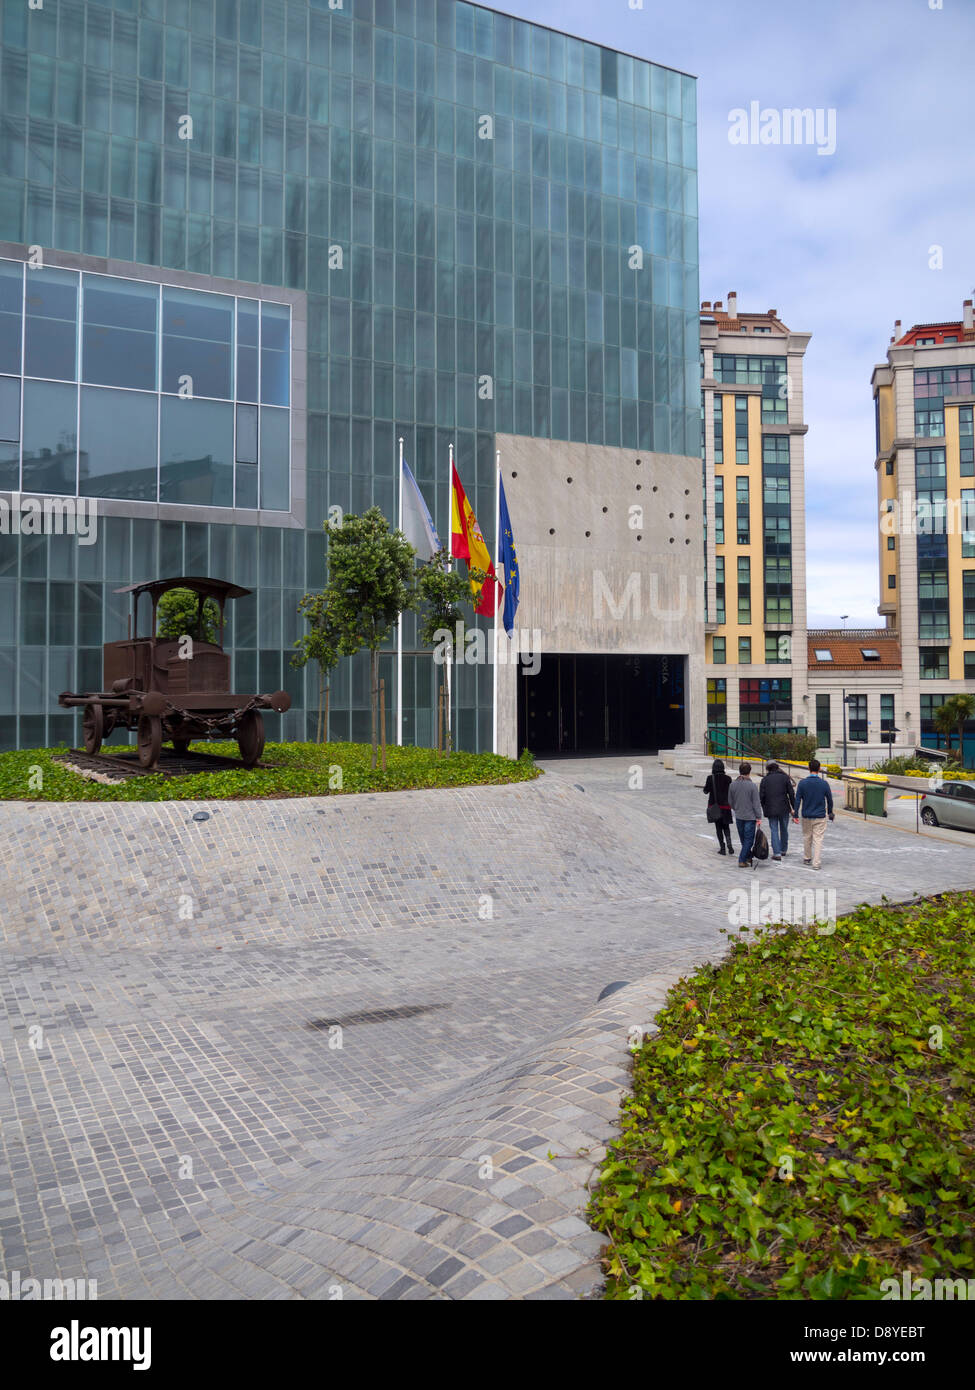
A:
(293, 769)
(802, 1121)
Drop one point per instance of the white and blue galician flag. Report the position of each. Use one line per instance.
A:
(417, 527)
(509, 562)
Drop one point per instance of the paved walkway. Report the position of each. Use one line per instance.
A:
(181, 1121)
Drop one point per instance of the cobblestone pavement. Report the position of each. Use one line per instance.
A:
(180, 1119)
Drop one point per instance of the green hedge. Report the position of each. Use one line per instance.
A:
(295, 769)
(801, 1123)
(797, 748)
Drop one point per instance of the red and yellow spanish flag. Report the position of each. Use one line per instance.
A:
(467, 543)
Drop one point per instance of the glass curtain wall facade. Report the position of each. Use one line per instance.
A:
(494, 229)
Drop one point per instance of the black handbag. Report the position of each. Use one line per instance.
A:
(760, 847)
(715, 813)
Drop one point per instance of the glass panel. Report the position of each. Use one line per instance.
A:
(247, 434)
(246, 486)
(197, 338)
(275, 354)
(118, 444)
(52, 314)
(9, 409)
(119, 332)
(50, 437)
(275, 460)
(197, 442)
(247, 339)
(11, 295)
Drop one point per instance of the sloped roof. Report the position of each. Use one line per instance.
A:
(847, 647)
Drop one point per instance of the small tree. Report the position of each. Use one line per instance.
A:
(955, 714)
(183, 613)
(440, 592)
(321, 645)
(371, 578)
(945, 720)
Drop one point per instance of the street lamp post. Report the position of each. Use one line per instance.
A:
(844, 727)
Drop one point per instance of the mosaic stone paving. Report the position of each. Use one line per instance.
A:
(184, 1120)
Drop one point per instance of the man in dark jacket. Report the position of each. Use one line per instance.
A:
(778, 802)
(814, 801)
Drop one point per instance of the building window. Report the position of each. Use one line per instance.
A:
(970, 666)
(931, 386)
(744, 651)
(966, 441)
(823, 736)
(717, 700)
(857, 718)
(766, 702)
(870, 653)
(719, 588)
(176, 395)
(930, 703)
(932, 588)
(744, 589)
(934, 663)
(968, 523)
(823, 654)
(742, 509)
(719, 654)
(718, 427)
(741, 429)
(778, 648)
(889, 468)
(892, 581)
(891, 543)
(719, 511)
(886, 713)
(968, 603)
(778, 589)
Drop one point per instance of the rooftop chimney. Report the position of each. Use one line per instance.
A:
(773, 313)
(968, 322)
(732, 304)
(897, 330)
(705, 303)
(718, 306)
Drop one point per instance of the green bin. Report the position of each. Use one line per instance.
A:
(875, 796)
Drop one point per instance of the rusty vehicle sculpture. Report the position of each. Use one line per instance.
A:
(175, 689)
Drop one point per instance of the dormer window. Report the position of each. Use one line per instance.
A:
(870, 653)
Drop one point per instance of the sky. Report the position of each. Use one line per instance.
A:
(842, 244)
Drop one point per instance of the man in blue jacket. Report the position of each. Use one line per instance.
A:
(814, 801)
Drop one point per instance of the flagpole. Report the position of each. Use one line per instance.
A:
(399, 624)
(450, 529)
(497, 548)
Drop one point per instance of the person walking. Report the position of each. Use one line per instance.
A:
(778, 803)
(746, 805)
(814, 801)
(716, 786)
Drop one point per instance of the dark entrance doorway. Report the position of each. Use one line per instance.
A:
(602, 704)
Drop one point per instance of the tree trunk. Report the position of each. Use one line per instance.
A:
(328, 695)
(374, 696)
(321, 685)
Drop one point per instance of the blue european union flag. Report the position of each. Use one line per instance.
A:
(509, 563)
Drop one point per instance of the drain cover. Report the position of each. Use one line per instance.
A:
(201, 815)
(376, 1015)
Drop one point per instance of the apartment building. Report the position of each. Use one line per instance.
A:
(752, 438)
(924, 397)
